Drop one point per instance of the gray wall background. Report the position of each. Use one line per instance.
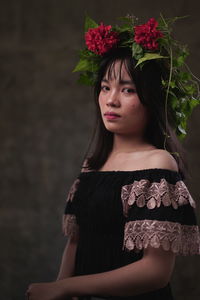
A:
(46, 122)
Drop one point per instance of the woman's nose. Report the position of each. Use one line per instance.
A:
(113, 99)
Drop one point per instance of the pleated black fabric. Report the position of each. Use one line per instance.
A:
(98, 208)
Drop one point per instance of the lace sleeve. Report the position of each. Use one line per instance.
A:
(69, 224)
(160, 214)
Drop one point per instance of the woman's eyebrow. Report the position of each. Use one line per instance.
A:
(126, 82)
(121, 81)
(104, 80)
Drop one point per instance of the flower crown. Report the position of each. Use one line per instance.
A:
(148, 41)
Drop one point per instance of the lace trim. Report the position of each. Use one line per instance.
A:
(70, 226)
(72, 190)
(144, 192)
(180, 239)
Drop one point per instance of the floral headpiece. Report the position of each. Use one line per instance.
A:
(148, 41)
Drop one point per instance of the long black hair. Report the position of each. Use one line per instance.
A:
(148, 81)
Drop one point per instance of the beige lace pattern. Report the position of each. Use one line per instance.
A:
(180, 239)
(152, 194)
(70, 226)
(73, 189)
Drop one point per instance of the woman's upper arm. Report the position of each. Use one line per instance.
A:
(162, 262)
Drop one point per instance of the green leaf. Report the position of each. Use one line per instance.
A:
(184, 76)
(86, 78)
(193, 103)
(137, 51)
(180, 61)
(89, 23)
(123, 28)
(126, 43)
(128, 20)
(149, 56)
(137, 48)
(81, 66)
(180, 115)
(172, 84)
(174, 102)
(86, 65)
(190, 89)
(182, 130)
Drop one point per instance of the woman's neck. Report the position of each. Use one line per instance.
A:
(123, 143)
(128, 153)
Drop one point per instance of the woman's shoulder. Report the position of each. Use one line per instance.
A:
(152, 159)
(162, 159)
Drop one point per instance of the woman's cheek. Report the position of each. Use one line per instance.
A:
(100, 104)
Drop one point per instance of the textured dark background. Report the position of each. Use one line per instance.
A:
(45, 124)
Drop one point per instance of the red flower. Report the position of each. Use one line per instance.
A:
(147, 35)
(101, 39)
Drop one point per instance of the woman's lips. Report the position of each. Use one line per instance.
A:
(111, 116)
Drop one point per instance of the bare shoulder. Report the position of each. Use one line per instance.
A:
(160, 158)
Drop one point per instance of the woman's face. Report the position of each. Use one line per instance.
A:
(121, 109)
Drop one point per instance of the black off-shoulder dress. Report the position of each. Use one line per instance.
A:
(116, 214)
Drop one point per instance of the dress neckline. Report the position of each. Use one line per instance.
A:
(131, 171)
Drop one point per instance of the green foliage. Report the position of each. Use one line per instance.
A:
(128, 23)
(137, 51)
(149, 56)
(89, 23)
(85, 64)
(88, 65)
(183, 93)
(86, 78)
(181, 87)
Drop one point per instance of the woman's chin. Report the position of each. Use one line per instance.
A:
(117, 131)
(113, 129)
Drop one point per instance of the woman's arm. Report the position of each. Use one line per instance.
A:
(152, 272)
(68, 259)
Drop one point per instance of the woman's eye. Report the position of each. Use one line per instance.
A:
(105, 88)
(129, 90)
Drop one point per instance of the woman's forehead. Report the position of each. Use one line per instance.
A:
(117, 71)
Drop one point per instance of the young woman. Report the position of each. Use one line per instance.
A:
(129, 213)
